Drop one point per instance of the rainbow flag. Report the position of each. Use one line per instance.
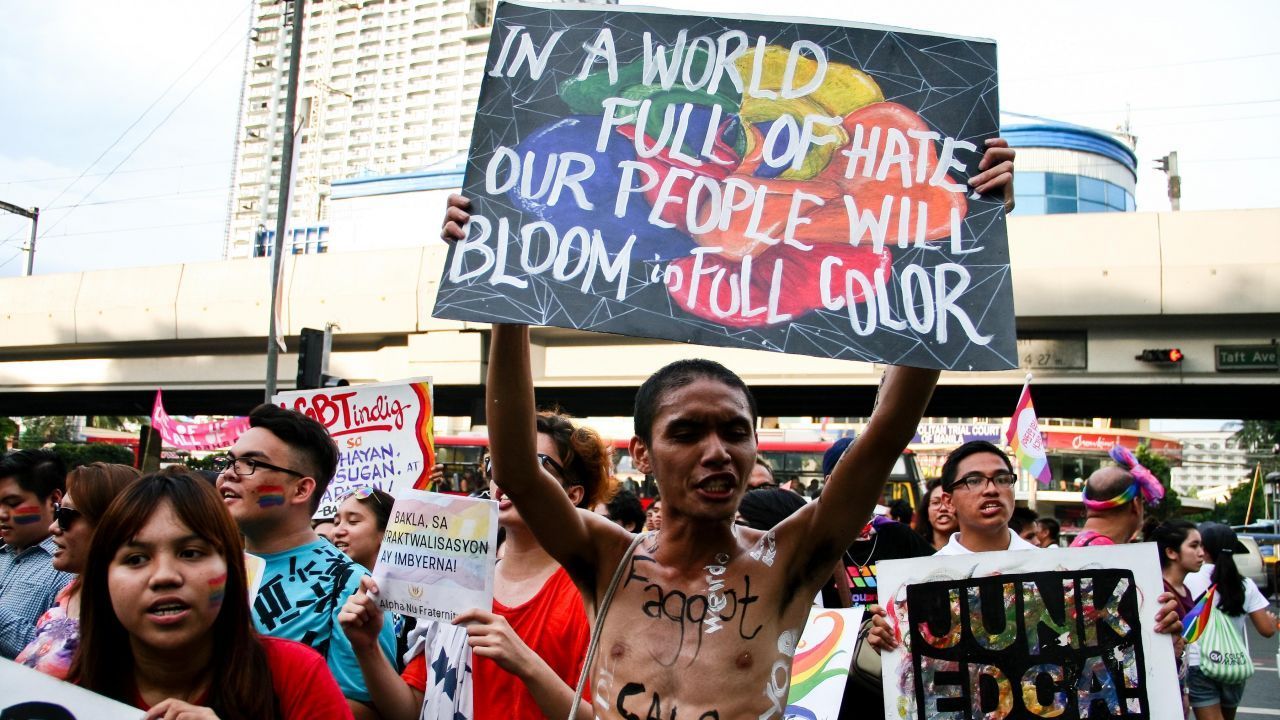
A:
(1024, 437)
(1197, 618)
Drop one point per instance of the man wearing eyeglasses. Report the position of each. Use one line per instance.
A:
(31, 484)
(271, 482)
(978, 480)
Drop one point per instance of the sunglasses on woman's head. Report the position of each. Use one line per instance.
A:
(365, 492)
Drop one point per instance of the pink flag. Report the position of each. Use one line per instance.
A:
(1024, 437)
(196, 436)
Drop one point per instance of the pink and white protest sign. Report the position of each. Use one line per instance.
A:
(383, 431)
(196, 436)
(438, 555)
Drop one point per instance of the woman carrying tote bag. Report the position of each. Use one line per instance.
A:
(1216, 678)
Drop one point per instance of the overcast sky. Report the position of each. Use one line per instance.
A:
(149, 89)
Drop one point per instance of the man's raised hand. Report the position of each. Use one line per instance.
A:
(456, 216)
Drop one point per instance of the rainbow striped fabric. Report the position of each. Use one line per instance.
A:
(1023, 435)
(1197, 618)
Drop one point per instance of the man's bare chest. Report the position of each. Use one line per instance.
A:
(693, 645)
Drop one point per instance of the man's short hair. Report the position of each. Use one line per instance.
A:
(833, 455)
(1052, 526)
(677, 375)
(973, 447)
(625, 508)
(1021, 519)
(900, 510)
(307, 438)
(39, 472)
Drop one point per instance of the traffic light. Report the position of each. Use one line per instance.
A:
(1166, 356)
(313, 361)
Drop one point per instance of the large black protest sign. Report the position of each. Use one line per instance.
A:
(742, 182)
(1063, 634)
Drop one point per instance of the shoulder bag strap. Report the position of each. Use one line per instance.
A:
(595, 631)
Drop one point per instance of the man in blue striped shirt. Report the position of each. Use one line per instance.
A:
(31, 483)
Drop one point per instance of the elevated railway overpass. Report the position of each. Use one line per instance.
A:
(1091, 292)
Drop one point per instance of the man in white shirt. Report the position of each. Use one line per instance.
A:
(978, 480)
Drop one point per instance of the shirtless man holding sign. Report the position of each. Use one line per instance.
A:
(707, 615)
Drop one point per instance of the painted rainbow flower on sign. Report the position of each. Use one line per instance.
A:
(762, 176)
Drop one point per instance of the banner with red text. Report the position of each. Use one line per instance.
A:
(383, 431)
(782, 184)
(196, 436)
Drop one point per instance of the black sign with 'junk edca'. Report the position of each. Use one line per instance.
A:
(1058, 644)
(744, 182)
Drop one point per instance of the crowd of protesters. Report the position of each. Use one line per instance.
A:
(136, 587)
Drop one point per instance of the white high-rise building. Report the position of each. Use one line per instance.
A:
(385, 87)
(1211, 461)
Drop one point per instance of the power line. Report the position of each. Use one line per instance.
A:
(137, 229)
(1114, 70)
(142, 142)
(1210, 120)
(136, 198)
(122, 172)
(11, 259)
(1152, 108)
(144, 113)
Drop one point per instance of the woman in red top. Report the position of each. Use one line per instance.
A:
(529, 650)
(164, 620)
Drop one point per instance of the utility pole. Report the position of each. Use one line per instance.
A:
(1169, 165)
(282, 204)
(34, 214)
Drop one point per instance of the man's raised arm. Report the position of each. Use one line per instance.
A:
(857, 481)
(513, 431)
(513, 448)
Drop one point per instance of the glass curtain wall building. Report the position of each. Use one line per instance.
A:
(1065, 168)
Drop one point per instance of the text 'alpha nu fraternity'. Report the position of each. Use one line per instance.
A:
(735, 182)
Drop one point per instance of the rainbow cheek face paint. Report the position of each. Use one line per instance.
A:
(217, 590)
(270, 495)
(26, 515)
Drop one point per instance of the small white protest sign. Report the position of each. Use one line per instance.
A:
(32, 694)
(438, 555)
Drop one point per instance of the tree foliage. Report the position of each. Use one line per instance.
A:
(76, 454)
(1171, 504)
(8, 431)
(40, 431)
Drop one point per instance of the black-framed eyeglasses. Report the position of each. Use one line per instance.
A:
(65, 516)
(974, 481)
(248, 466)
(544, 460)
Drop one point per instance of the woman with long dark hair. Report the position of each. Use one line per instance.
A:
(1181, 553)
(1237, 596)
(529, 648)
(165, 622)
(938, 520)
(90, 490)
